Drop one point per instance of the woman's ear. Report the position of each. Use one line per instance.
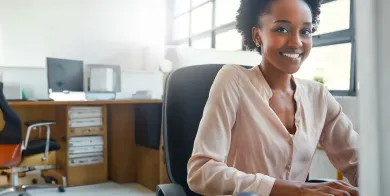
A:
(256, 36)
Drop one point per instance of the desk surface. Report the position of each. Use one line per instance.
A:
(108, 102)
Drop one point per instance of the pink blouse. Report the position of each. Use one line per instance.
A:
(242, 146)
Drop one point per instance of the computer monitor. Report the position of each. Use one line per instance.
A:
(65, 75)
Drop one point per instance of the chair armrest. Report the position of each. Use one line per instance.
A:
(30, 128)
(170, 190)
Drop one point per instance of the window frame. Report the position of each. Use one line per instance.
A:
(331, 38)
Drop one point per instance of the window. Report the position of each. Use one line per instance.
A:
(198, 2)
(203, 43)
(226, 11)
(183, 45)
(181, 6)
(332, 63)
(230, 40)
(201, 19)
(335, 16)
(180, 26)
(332, 57)
(211, 24)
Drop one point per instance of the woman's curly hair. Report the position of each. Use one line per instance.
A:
(250, 10)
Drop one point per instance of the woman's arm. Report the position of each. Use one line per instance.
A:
(2, 122)
(207, 172)
(340, 141)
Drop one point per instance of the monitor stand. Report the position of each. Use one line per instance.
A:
(67, 96)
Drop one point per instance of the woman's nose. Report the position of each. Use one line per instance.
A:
(295, 41)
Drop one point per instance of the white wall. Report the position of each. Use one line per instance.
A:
(96, 31)
(129, 33)
(184, 56)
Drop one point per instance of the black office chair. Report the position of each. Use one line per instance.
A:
(186, 93)
(14, 151)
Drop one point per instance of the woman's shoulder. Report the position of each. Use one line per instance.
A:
(235, 71)
(237, 77)
(233, 68)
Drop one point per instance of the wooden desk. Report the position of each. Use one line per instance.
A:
(124, 160)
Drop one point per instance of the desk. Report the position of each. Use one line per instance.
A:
(124, 161)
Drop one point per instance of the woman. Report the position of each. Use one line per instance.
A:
(261, 126)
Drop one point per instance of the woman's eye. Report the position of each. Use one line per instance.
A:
(306, 32)
(281, 30)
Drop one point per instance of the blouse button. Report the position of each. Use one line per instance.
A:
(288, 166)
(291, 142)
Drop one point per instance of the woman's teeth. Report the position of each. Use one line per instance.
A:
(291, 55)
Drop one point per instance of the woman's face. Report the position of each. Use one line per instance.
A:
(285, 35)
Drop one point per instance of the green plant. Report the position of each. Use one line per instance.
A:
(319, 79)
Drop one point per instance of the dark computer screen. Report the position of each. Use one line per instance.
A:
(65, 75)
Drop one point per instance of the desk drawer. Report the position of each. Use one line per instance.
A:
(81, 131)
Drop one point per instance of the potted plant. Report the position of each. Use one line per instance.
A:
(320, 80)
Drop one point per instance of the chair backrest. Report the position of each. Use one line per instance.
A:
(12, 133)
(186, 92)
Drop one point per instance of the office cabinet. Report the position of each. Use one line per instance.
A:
(83, 138)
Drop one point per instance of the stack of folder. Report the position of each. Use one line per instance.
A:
(85, 116)
(85, 150)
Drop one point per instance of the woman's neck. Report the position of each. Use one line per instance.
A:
(276, 79)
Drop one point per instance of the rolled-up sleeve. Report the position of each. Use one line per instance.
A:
(340, 141)
(208, 173)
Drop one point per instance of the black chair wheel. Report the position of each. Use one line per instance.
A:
(61, 189)
(50, 180)
(34, 181)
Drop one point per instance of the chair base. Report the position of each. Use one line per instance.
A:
(22, 189)
(14, 186)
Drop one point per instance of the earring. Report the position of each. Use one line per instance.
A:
(258, 45)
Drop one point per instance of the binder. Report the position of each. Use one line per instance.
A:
(85, 149)
(87, 122)
(82, 155)
(86, 141)
(86, 109)
(86, 161)
(80, 115)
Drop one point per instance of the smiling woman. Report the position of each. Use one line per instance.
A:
(261, 126)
